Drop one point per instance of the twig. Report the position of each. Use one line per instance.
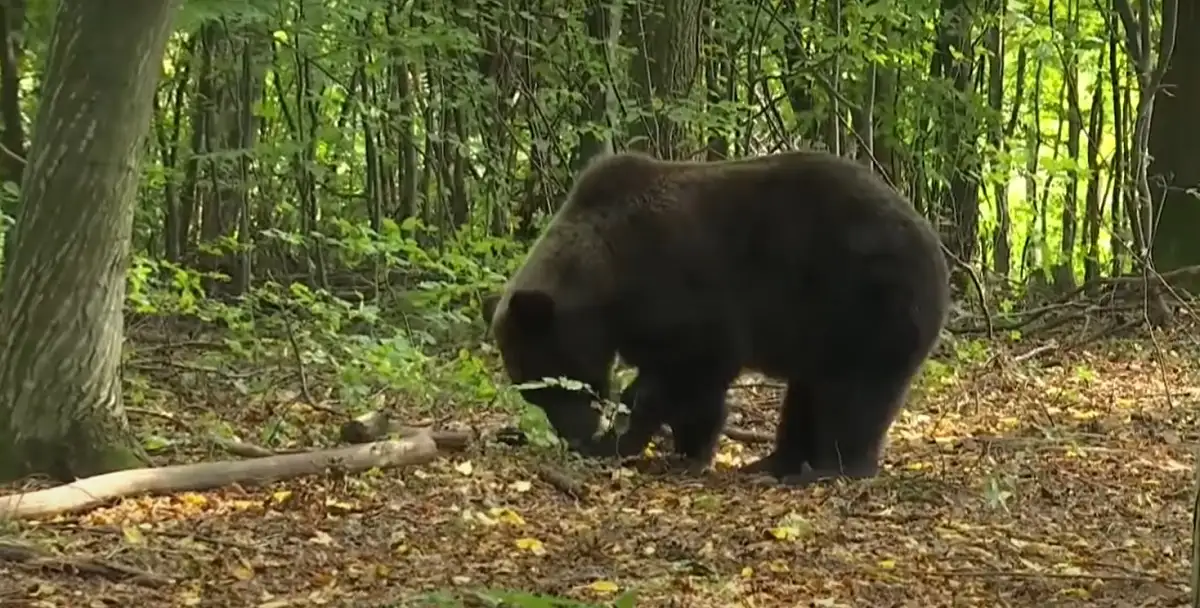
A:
(1035, 352)
(39, 558)
(1105, 332)
(747, 435)
(185, 534)
(758, 384)
(241, 448)
(562, 482)
(160, 366)
(144, 349)
(1143, 578)
(287, 325)
(180, 424)
(983, 306)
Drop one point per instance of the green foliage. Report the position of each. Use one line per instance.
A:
(160, 287)
(403, 153)
(409, 341)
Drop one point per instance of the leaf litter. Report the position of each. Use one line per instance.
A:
(1064, 480)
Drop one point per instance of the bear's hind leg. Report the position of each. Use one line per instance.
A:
(850, 420)
(793, 435)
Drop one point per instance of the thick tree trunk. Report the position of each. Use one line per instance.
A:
(1173, 134)
(62, 292)
(666, 34)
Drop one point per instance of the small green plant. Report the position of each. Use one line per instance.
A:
(997, 491)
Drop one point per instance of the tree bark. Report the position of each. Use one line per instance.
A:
(666, 34)
(1173, 134)
(64, 287)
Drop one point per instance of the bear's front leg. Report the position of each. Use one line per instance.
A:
(646, 417)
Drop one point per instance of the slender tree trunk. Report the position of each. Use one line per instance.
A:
(62, 293)
(12, 19)
(12, 156)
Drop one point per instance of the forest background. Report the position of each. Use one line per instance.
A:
(292, 218)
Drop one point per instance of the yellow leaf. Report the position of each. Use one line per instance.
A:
(792, 527)
(532, 545)
(194, 499)
(465, 467)
(1077, 592)
(507, 516)
(242, 572)
(133, 535)
(244, 505)
(781, 533)
(281, 496)
(522, 486)
(747, 572)
(339, 506)
(887, 564)
(604, 587)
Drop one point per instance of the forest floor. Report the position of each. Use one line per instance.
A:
(1062, 479)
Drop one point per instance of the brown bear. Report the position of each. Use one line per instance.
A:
(804, 266)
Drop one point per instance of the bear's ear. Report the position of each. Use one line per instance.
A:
(489, 304)
(532, 310)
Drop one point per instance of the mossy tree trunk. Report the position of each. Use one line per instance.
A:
(64, 286)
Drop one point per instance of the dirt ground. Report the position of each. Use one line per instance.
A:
(1057, 480)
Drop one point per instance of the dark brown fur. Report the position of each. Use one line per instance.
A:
(803, 266)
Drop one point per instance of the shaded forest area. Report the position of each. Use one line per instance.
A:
(247, 243)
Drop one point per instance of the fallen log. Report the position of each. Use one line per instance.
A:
(83, 494)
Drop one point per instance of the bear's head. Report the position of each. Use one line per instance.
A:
(539, 338)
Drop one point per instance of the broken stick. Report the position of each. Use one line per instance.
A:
(375, 425)
(94, 491)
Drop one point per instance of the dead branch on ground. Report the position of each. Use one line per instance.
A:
(94, 491)
(242, 448)
(375, 425)
(1115, 297)
(33, 557)
(562, 482)
(747, 435)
